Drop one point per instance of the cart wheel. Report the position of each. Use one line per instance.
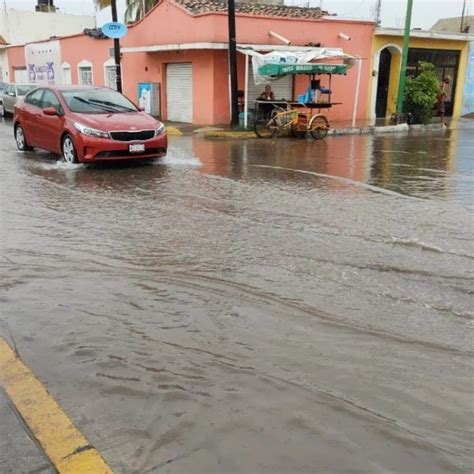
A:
(319, 127)
(265, 127)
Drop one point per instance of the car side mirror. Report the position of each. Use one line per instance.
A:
(12, 94)
(50, 111)
(141, 109)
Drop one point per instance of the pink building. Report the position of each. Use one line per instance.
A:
(182, 46)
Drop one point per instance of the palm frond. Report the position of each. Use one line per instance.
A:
(134, 11)
(101, 4)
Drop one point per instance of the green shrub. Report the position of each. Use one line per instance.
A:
(421, 94)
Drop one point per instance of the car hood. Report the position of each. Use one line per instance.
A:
(115, 122)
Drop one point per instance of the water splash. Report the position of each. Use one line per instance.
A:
(62, 165)
(59, 165)
(419, 244)
(180, 158)
(416, 243)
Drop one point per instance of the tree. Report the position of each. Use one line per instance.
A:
(135, 10)
(421, 93)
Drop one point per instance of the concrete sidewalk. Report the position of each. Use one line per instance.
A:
(19, 452)
(337, 128)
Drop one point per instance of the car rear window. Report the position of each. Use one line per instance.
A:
(97, 101)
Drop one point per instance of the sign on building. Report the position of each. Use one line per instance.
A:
(43, 62)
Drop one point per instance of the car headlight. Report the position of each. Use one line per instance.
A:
(90, 132)
(160, 130)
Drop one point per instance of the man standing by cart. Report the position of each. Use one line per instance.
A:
(267, 94)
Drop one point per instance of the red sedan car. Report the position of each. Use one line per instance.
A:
(87, 124)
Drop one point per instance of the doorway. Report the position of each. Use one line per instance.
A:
(179, 92)
(20, 75)
(446, 63)
(383, 83)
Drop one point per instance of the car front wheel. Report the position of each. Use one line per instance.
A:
(20, 139)
(69, 150)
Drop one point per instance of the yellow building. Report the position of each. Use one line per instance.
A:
(449, 53)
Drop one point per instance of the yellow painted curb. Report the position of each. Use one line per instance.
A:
(173, 132)
(66, 447)
(230, 134)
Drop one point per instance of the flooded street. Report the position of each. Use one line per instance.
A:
(251, 306)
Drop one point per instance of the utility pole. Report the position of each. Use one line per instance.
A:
(234, 101)
(118, 74)
(403, 68)
(463, 15)
(378, 11)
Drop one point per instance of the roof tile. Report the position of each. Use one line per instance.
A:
(196, 7)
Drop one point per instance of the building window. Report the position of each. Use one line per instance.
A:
(111, 76)
(66, 73)
(86, 77)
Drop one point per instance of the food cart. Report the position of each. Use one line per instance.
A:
(303, 115)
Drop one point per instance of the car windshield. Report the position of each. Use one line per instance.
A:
(97, 101)
(23, 90)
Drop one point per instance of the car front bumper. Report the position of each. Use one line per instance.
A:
(91, 149)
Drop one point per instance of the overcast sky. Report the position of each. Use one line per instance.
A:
(425, 12)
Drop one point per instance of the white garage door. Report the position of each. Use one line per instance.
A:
(21, 76)
(179, 92)
(282, 88)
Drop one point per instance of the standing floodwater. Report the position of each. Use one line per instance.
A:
(251, 306)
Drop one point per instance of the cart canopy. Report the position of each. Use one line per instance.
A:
(282, 69)
(299, 60)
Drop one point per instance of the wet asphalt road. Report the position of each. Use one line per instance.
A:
(251, 306)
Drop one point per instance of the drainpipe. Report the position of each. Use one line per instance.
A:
(356, 95)
(403, 75)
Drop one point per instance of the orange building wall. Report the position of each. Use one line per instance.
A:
(16, 58)
(169, 23)
(144, 67)
(75, 49)
(159, 27)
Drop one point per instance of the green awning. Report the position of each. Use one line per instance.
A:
(308, 68)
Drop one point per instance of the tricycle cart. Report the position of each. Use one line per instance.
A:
(302, 116)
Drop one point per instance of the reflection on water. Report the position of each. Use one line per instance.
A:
(416, 165)
(434, 168)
